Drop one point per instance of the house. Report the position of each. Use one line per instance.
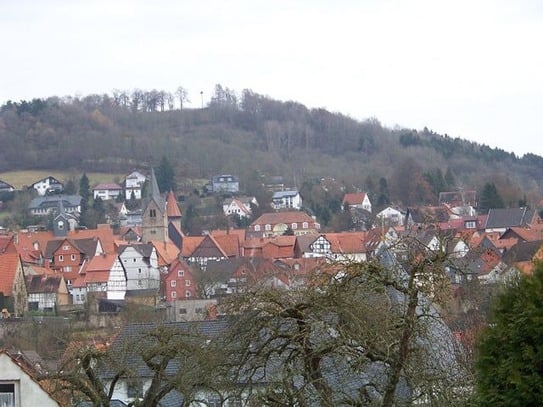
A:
(240, 206)
(180, 282)
(207, 249)
(67, 255)
(290, 199)
(140, 262)
(390, 217)
(276, 247)
(19, 385)
(105, 274)
(45, 205)
(277, 223)
(5, 187)
(425, 216)
(356, 200)
(133, 185)
(46, 292)
(107, 191)
(13, 293)
(499, 220)
(192, 310)
(458, 199)
(225, 183)
(340, 247)
(48, 185)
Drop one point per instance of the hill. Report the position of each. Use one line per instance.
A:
(254, 137)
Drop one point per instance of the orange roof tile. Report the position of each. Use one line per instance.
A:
(100, 263)
(96, 277)
(354, 198)
(8, 270)
(167, 252)
(172, 208)
(190, 243)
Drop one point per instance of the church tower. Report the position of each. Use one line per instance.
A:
(154, 216)
(60, 221)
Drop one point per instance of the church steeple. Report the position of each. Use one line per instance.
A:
(60, 221)
(154, 217)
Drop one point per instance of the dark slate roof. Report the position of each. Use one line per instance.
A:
(145, 249)
(85, 246)
(42, 283)
(5, 186)
(52, 201)
(133, 334)
(522, 251)
(509, 217)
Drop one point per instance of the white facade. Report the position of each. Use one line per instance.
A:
(19, 389)
(107, 191)
(287, 200)
(239, 207)
(134, 183)
(46, 185)
(391, 217)
(116, 284)
(141, 273)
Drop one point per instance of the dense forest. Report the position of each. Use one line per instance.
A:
(252, 135)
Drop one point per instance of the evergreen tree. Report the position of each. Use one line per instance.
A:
(510, 357)
(490, 198)
(84, 189)
(165, 175)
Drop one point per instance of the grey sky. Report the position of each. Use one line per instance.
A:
(471, 69)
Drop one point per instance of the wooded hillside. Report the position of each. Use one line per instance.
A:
(252, 134)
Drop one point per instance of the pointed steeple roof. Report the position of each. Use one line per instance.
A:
(154, 192)
(172, 207)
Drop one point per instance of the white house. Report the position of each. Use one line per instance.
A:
(133, 183)
(357, 200)
(240, 206)
(47, 185)
(140, 262)
(107, 191)
(18, 386)
(290, 199)
(390, 217)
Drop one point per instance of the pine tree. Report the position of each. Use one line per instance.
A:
(510, 352)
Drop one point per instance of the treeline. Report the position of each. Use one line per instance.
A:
(247, 133)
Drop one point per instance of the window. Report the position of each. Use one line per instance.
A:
(152, 213)
(214, 401)
(181, 273)
(77, 298)
(188, 294)
(268, 227)
(305, 225)
(182, 311)
(257, 228)
(83, 297)
(7, 394)
(174, 294)
(139, 270)
(187, 283)
(173, 283)
(294, 226)
(60, 257)
(72, 257)
(66, 247)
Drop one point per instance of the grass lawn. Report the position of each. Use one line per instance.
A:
(19, 179)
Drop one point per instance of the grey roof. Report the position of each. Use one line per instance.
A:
(509, 217)
(86, 246)
(145, 249)
(522, 251)
(52, 201)
(5, 186)
(216, 179)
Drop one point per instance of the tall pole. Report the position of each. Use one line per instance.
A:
(202, 98)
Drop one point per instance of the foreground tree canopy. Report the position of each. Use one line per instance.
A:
(510, 359)
(355, 334)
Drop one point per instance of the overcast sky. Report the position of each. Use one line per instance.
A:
(471, 69)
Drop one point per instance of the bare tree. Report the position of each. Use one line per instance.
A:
(183, 96)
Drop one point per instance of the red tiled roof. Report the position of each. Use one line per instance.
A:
(8, 269)
(172, 208)
(354, 198)
(273, 218)
(190, 243)
(96, 277)
(167, 252)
